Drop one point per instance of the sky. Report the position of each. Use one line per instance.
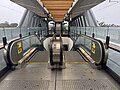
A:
(109, 12)
(10, 11)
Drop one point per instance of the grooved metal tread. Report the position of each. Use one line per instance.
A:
(73, 77)
(25, 85)
(40, 56)
(85, 84)
(73, 56)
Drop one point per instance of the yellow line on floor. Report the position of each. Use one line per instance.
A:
(37, 62)
(76, 62)
(65, 62)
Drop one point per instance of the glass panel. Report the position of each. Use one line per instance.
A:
(26, 44)
(37, 41)
(12, 33)
(30, 41)
(1, 35)
(114, 33)
(2, 61)
(89, 31)
(31, 29)
(24, 31)
(8, 33)
(33, 40)
(85, 43)
(82, 29)
(114, 61)
(100, 32)
(15, 32)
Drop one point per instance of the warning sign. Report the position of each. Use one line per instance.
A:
(93, 48)
(19, 46)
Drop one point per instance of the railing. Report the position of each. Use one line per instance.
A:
(14, 33)
(20, 41)
(63, 30)
(93, 49)
(108, 35)
(2, 61)
(99, 32)
(17, 49)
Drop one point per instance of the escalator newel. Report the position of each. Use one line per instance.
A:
(56, 53)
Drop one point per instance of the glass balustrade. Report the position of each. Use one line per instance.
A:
(14, 33)
(100, 33)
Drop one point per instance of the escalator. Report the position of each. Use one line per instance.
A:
(80, 73)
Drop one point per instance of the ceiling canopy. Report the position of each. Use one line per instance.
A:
(82, 6)
(57, 8)
(32, 5)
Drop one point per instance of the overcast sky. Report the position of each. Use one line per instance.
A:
(107, 12)
(10, 11)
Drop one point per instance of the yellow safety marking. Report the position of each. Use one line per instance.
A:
(89, 58)
(19, 50)
(65, 63)
(76, 63)
(26, 56)
(37, 62)
(93, 47)
(19, 45)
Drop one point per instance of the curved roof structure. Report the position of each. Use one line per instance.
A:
(58, 9)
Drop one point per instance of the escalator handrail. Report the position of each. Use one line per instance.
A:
(51, 52)
(53, 37)
(61, 50)
(50, 48)
(7, 51)
(104, 55)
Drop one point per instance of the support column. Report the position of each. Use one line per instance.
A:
(68, 24)
(4, 41)
(61, 27)
(47, 24)
(55, 28)
(107, 41)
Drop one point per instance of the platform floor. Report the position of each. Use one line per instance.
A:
(73, 77)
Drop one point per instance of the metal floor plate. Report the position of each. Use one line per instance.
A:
(85, 84)
(84, 77)
(31, 77)
(25, 85)
(73, 77)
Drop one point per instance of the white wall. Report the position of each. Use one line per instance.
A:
(46, 42)
(65, 40)
(68, 41)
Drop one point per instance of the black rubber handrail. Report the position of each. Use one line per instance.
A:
(51, 50)
(104, 56)
(8, 48)
(61, 51)
(51, 53)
